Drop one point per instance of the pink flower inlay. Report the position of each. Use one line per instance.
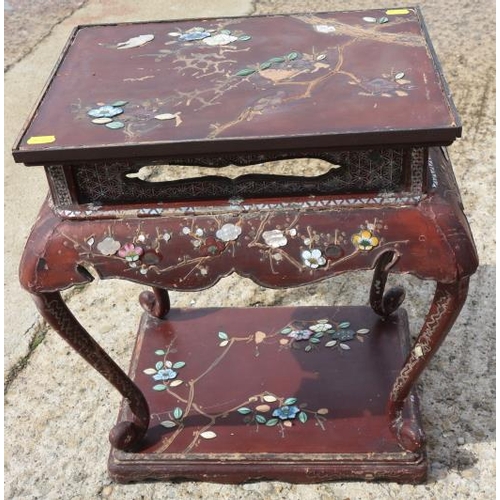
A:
(130, 252)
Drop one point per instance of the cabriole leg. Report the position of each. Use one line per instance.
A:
(446, 306)
(127, 434)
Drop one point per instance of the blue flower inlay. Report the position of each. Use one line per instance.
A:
(286, 412)
(105, 112)
(300, 334)
(166, 374)
(197, 35)
(343, 335)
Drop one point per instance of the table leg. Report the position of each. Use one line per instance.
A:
(384, 304)
(156, 303)
(446, 305)
(125, 435)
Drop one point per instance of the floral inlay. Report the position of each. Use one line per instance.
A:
(387, 85)
(374, 20)
(273, 62)
(148, 114)
(108, 246)
(104, 114)
(209, 36)
(264, 409)
(321, 327)
(228, 232)
(176, 415)
(293, 74)
(130, 252)
(286, 412)
(283, 415)
(165, 374)
(275, 238)
(324, 28)
(300, 334)
(195, 33)
(342, 333)
(365, 240)
(279, 247)
(313, 258)
(165, 371)
(220, 39)
(106, 111)
(312, 335)
(212, 246)
(136, 41)
(168, 116)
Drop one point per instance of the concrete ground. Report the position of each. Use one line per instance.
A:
(58, 412)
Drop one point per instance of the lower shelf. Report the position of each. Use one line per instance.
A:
(295, 394)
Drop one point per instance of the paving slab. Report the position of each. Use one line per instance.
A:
(21, 34)
(58, 412)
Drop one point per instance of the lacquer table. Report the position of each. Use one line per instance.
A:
(299, 394)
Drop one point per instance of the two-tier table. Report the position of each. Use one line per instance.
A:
(298, 393)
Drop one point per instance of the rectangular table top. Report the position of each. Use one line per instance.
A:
(233, 85)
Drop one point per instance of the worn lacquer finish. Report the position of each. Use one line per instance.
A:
(236, 84)
(286, 243)
(374, 106)
(216, 397)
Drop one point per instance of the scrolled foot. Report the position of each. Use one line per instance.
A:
(53, 308)
(410, 437)
(126, 435)
(156, 303)
(392, 299)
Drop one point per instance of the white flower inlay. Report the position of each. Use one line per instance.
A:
(275, 238)
(220, 39)
(108, 246)
(324, 28)
(320, 327)
(313, 258)
(228, 232)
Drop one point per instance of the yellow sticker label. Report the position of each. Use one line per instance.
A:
(397, 12)
(41, 139)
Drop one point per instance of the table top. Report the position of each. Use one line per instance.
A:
(233, 85)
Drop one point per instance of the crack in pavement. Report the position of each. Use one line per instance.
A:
(43, 37)
(40, 328)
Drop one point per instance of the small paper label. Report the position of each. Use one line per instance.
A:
(42, 139)
(397, 12)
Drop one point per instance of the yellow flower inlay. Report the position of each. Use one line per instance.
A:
(365, 240)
